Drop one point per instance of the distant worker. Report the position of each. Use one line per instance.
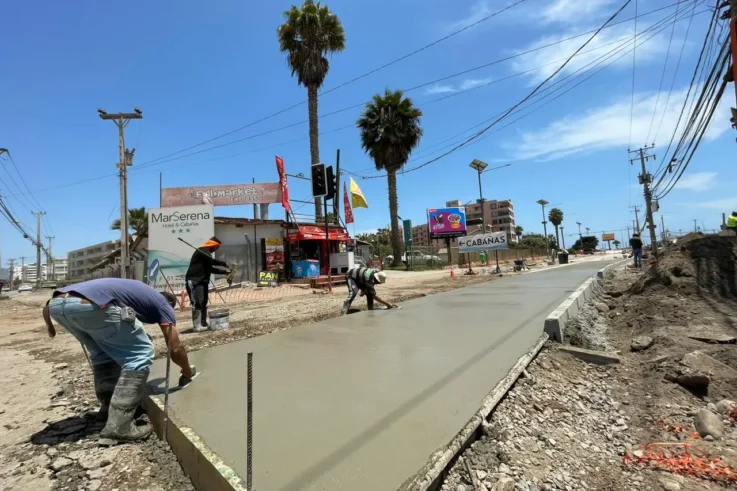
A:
(106, 315)
(360, 278)
(482, 258)
(732, 222)
(197, 280)
(636, 245)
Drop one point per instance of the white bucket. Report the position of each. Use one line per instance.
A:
(219, 320)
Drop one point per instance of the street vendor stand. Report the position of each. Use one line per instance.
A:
(310, 250)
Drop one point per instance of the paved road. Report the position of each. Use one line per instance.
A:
(360, 402)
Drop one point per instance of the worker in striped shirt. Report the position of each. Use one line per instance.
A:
(362, 279)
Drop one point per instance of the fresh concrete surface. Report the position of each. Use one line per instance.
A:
(360, 402)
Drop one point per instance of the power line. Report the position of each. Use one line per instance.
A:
(634, 58)
(355, 79)
(162, 160)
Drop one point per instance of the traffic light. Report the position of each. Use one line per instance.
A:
(319, 181)
(330, 178)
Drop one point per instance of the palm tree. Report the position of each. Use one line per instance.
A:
(518, 231)
(137, 220)
(556, 218)
(307, 36)
(616, 244)
(390, 130)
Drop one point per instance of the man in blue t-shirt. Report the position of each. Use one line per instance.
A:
(106, 316)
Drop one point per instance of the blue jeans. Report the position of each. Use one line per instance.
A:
(637, 254)
(105, 335)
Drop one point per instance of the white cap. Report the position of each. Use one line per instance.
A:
(381, 276)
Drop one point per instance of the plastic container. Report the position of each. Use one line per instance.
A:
(219, 320)
(562, 258)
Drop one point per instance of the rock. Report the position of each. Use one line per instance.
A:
(712, 407)
(504, 484)
(61, 463)
(641, 343)
(461, 487)
(75, 455)
(708, 423)
(694, 381)
(708, 438)
(52, 452)
(61, 366)
(94, 485)
(504, 469)
(669, 484)
(481, 475)
(724, 406)
(98, 473)
(601, 307)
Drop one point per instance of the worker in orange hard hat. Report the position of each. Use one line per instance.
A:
(197, 280)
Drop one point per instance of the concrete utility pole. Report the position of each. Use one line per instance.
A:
(121, 120)
(662, 225)
(580, 235)
(544, 203)
(11, 273)
(695, 226)
(562, 237)
(645, 179)
(39, 245)
(731, 76)
(50, 266)
(636, 221)
(587, 231)
(479, 166)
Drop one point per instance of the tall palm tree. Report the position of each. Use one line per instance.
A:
(307, 36)
(518, 231)
(390, 130)
(137, 220)
(555, 215)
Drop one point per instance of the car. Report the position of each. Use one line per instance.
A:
(25, 288)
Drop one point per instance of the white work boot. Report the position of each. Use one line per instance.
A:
(197, 321)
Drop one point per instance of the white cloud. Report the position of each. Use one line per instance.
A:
(468, 84)
(478, 11)
(698, 181)
(608, 126)
(440, 89)
(614, 44)
(573, 11)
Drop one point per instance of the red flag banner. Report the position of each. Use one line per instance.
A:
(347, 205)
(283, 183)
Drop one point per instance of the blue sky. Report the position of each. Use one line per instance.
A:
(198, 70)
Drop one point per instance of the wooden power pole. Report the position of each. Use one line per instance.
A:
(121, 120)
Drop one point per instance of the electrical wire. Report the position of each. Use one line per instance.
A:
(634, 63)
(348, 82)
(161, 159)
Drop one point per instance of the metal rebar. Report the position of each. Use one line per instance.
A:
(249, 428)
(166, 383)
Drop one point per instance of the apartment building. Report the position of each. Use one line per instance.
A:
(58, 271)
(81, 261)
(499, 216)
(420, 236)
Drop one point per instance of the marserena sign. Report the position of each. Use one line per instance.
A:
(178, 217)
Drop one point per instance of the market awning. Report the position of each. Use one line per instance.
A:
(309, 232)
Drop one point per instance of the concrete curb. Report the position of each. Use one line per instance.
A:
(430, 475)
(555, 323)
(206, 470)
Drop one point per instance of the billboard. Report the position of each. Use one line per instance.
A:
(483, 242)
(447, 222)
(226, 195)
(607, 237)
(169, 231)
(274, 251)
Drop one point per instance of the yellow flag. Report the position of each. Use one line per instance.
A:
(357, 198)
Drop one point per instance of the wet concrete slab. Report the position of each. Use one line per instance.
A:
(360, 402)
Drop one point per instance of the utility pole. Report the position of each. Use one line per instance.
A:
(543, 203)
(587, 231)
(39, 245)
(645, 179)
(695, 226)
(11, 273)
(23, 269)
(121, 120)
(562, 237)
(731, 76)
(479, 166)
(662, 226)
(580, 235)
(50, 266)
(636, 221)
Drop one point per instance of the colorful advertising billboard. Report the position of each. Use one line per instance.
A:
(483, 242)
(446, 222)
(227, 195)
(170, 230)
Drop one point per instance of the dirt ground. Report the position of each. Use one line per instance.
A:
(658, 420)
(46, 440)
